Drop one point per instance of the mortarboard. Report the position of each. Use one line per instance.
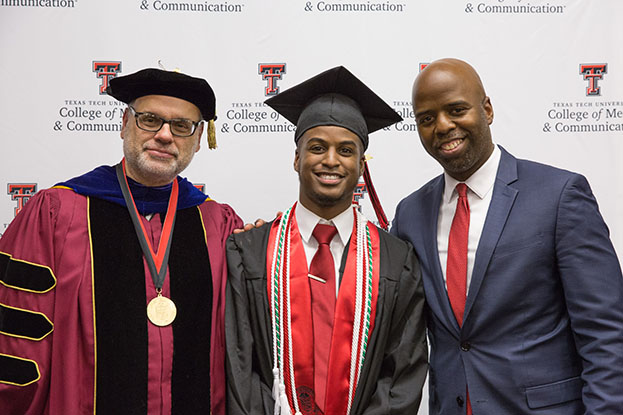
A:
(337, 97)
(153, 81)
(334, 97)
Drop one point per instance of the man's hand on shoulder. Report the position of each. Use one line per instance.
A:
(249, 226)
(258, 222)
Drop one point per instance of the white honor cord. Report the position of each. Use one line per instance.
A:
(274, 301)
(283, 400)
(277, 410)
(281, 260)
(282, 406)
(295, 400)
(282, 314)
(356, 311)
(366, 292)
(272, 309)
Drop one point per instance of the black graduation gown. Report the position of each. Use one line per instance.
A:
(395, 366)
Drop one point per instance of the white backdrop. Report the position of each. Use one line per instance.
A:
(57, 125)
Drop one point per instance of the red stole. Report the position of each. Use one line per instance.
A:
(339, 373)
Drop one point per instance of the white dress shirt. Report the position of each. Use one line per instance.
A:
(307, 221)
(479, 191)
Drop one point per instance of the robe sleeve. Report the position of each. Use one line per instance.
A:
(247, 393)
(398, 389)
(219, 220)
(27, 280)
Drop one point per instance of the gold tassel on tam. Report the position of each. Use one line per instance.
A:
(211, 135)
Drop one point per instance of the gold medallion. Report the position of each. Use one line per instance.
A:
(161, 311)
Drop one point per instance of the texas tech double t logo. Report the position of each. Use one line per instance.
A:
(21, 192)
(271, 72)
(593, 72)
(106, 71)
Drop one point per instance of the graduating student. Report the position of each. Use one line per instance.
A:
(112, 283)
(324, 309)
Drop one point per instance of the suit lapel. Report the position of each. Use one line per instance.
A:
(439, 304)
(501, 204)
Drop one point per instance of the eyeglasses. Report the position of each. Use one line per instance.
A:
(180, 127)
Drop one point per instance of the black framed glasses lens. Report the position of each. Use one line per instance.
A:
(180, 127)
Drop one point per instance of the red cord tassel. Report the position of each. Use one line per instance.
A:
(376, 203)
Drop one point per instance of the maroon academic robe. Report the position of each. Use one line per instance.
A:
(74, 337)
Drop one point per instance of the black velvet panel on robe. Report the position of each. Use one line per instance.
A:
(16, 371)
(25, 276)
(191, 290)
(121, 313)
(24, 323)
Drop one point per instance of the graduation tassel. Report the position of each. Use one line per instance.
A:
(276, 391)
(211, 135)
(374, 199)
(285, 405)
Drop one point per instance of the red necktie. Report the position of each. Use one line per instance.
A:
(323, 307)
(456, 271)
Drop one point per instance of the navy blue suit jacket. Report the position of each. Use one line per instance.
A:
(543, 323)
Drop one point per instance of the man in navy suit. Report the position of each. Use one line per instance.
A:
(524, 289)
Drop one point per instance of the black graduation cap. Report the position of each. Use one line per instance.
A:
(334, 97)
(337, 97)
(153, 81)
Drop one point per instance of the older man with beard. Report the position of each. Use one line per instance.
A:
(112, 283)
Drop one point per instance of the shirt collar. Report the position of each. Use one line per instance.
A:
(481, 182)
(307, 221)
